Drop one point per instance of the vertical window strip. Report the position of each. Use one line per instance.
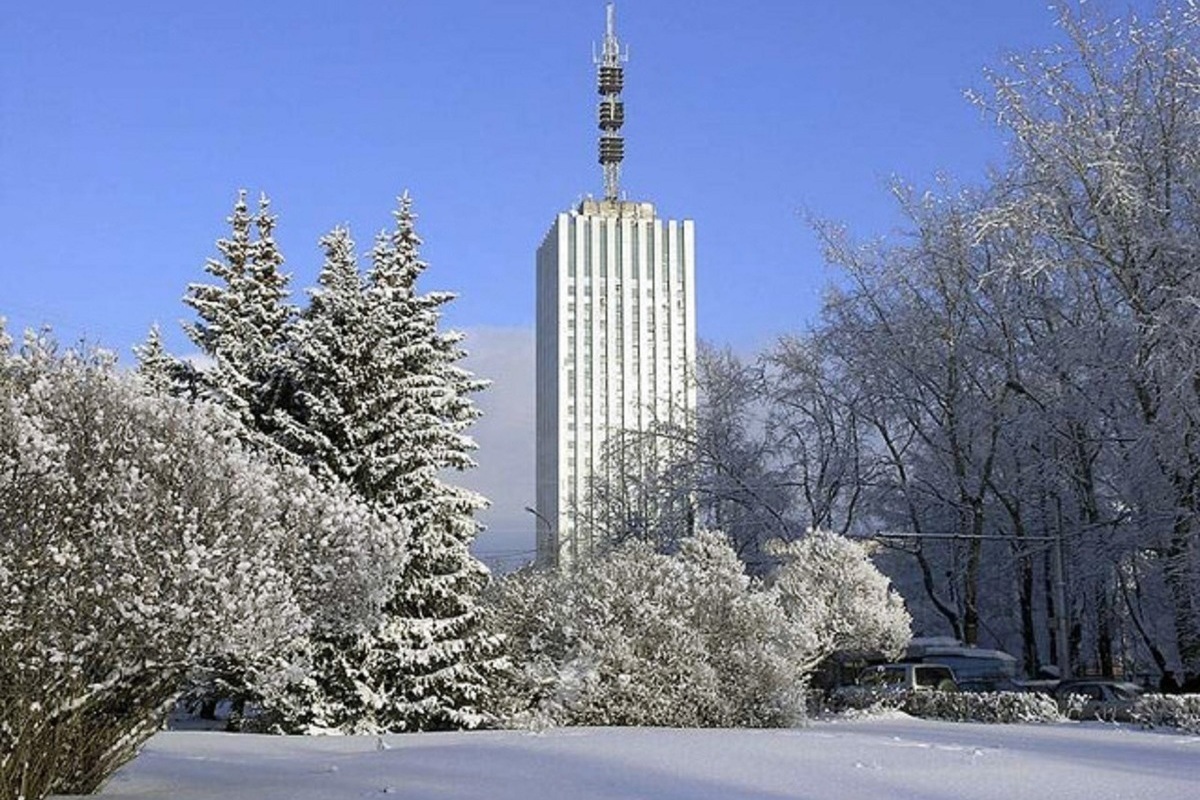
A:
(572, 228)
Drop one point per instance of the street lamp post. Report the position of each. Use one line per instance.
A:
(549, 534)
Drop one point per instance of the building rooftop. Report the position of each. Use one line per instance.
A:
(615, 208)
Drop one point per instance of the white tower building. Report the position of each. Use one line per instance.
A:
(616, 331)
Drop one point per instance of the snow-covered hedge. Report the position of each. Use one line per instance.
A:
(639, 638)
(1152, 711)
(140, 540)
(992, 707)
(1180, 711)
(988, 707)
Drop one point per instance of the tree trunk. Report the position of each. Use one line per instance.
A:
(945, 610)
(1177, 574)
(1135, 615)
(1029, 648)
(1104, 632)
(1052, 611)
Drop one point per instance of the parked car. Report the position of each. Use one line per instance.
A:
(1097, 698)
(912, 677)
(976, 669)
(891, 683)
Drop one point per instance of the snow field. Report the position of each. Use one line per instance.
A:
(897, 758)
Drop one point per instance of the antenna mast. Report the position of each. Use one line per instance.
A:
(610, 78)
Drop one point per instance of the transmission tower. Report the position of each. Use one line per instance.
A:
(610, 79)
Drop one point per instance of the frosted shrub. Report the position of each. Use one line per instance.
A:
(1180, 711)
(991, 707)
(988, 707)
(141, 541)
(639, 638)
(837, 598)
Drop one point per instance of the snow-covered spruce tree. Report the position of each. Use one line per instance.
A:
(243, 320)
(433, 659)
(160, 371)
(829, 588)
(637, 637)
(143, 540)
(335, 396)
(242, 325)
(382, 406)
(332, 351)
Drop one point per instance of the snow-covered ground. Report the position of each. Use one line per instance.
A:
(869, 759)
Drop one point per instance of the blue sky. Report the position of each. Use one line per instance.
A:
(126, 129)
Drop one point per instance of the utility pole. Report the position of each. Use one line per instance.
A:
(1060, 610)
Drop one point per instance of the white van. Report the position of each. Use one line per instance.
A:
(976, 669)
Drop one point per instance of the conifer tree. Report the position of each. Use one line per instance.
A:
(433, 657)
(243, 319)
(160, 370)
(243, 324)
(331, 359)
(366, 390)
(334, 361)
(381, 406)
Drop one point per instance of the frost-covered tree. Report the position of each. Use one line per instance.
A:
(241, 330)
(830, 589)
(382, 406)
(435, 408)
(332, 350)
(364, 391)
(744, 487)
(243, 320)
(432, 660)
(637, 637)
(143, 541)
(1016, 376)
(722, 470)
(815, 435)
(643, 488)
(1103, 186)
(161, 371)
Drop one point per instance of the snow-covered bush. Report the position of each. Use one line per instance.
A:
(832, 592)
(990, 707)
(639, 638)
(1180, 711)
(853, 699)
(140, 541)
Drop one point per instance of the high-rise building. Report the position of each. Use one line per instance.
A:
(616, 330)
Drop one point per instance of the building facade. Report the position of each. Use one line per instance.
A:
(616, 346)
(616, 332)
